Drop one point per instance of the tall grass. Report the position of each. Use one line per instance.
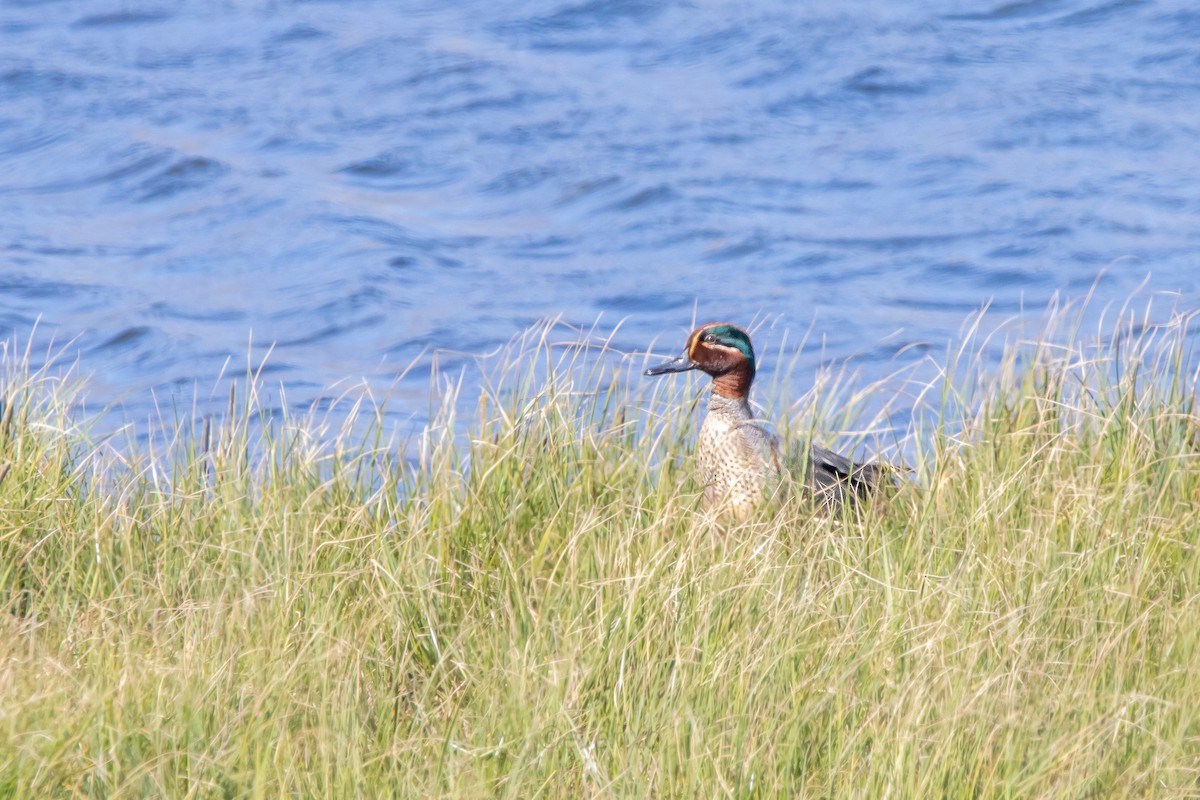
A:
(532, 606)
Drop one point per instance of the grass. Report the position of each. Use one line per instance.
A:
(532, 606)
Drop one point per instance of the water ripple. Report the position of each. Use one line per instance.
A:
(182, 175)
(121, 18)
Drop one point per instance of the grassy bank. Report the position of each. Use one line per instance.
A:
(536, 609)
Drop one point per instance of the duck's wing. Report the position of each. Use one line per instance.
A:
(835, 476)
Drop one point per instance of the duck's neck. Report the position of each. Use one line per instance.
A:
(734, 384)
(737, 407)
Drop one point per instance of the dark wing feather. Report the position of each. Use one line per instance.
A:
(834, 477)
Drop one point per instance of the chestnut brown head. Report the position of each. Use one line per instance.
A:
(721, 349)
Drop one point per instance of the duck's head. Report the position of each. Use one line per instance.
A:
(721, 349)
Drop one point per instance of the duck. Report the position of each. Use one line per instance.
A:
(739, 461)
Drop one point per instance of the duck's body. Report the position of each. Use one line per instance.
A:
(738, 461)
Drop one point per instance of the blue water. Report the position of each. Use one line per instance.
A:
(365, 185)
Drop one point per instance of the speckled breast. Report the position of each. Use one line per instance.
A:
(736, 461)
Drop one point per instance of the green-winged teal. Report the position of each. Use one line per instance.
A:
(738, 460)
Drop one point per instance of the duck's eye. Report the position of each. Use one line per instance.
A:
(708, 337)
